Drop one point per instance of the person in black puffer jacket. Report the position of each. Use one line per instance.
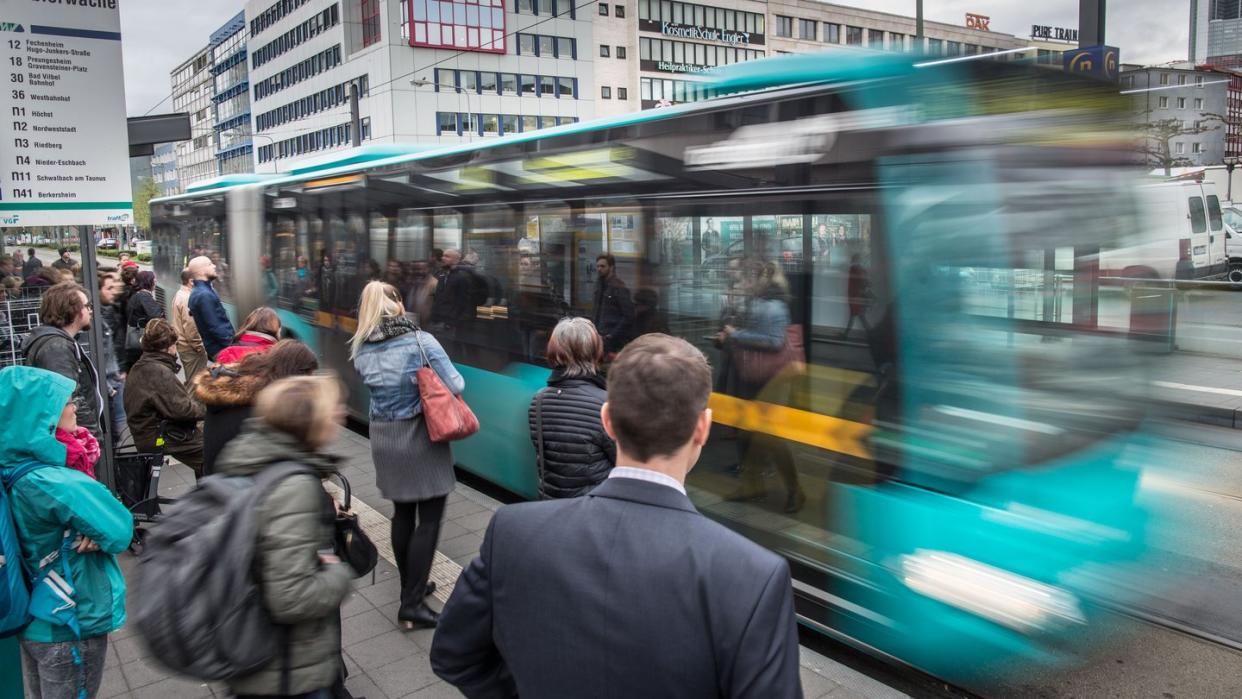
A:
(229, 391)
(577, 454)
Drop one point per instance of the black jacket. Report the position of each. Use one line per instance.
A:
(229, 399)
(154, 394)
(625, 592)
(51, 348)
(454, 301)
(577, 453)
(614, 313)
(31, 266)
(139, 311)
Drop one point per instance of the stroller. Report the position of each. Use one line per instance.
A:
(138, 484)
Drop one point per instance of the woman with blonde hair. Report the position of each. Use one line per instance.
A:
(412, 471)
(295, 420)
(572, 451)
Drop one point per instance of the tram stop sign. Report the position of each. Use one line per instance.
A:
(1096, 61)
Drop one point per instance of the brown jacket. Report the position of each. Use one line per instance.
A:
(154, 394)
(188, 339)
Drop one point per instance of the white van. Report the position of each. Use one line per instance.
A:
(1182, 236)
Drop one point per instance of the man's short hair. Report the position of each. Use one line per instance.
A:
(105, 275)
(30, 252)
(612, 261)
(62, 251)
(657, 388)
(61, 304)
(186, 276)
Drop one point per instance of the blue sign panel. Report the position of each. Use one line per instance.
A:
(1097, 61)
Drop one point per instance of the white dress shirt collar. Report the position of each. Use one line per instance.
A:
(643, 474)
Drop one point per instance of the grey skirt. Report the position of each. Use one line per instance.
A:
(409, 467)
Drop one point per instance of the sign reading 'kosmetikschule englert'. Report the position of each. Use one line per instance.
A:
(695, 32)
(64, 144)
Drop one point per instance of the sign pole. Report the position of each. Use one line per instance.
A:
(95, 341)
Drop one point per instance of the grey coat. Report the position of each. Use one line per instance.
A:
(52, 349)
(295, 524)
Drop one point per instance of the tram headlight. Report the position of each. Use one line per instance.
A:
(1005, 598)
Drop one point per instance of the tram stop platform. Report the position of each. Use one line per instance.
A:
(383, 661)
(1203, 388)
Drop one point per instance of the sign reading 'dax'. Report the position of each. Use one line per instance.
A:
(64, 149)
(974, 21)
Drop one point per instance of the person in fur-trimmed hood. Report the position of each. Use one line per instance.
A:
(228, 392)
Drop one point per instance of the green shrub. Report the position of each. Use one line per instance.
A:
(144, 257)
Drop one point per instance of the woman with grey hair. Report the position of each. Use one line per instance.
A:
(572, 451)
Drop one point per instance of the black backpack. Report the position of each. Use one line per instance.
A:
(199, 607)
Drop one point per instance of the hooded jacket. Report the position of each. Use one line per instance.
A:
(295, 522)
(153, 394)
(229, 398)
(51, 348)
(577, 453)
(49, 500)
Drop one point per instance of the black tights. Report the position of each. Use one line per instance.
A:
(415, 532)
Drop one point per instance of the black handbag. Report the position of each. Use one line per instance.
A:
(351, 543)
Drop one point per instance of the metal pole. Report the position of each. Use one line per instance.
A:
(95, 341)
(918, 24)
(1091, 22)
(355, 124)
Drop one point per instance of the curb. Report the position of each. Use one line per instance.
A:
(1203, 414)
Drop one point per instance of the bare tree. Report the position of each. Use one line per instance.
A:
(1158, 135)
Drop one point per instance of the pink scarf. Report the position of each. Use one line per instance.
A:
(81, 450)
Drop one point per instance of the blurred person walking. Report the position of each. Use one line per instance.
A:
(858, 293)
(189, 344)
(415, 473)
(572, 451)
(303, 587)
(228, 392)
(692, 608)
(65, 312)
(139, 310)
(63, 511)
(614, 310)
(161, 414)
(109, 290)
(258, 333)
(32, 265)
(205, 307)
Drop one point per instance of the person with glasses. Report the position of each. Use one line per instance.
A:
(65, 312)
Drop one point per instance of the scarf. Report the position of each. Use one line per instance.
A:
(390, 327)
(81, 449)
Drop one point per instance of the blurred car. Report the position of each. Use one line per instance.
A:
(106, 244)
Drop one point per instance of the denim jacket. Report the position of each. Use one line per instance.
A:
(765, 325)
(389, 367)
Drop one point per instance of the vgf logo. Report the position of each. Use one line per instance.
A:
(11, 220)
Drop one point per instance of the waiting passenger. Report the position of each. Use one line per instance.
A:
(648, 316)
(32, 265)
(614, 311)
(572, 451)
(47, 502)
(303, 587)
(205, 307)
(65, 312)
(258, 333)
(162, 416)
(64, 262)
(414, 472)
(692, 608)
(229, 391)
(139, 311)
(189, 344)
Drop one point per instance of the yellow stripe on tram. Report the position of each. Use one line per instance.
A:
(814, 429)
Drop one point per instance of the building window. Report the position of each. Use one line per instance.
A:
(1195, 148)
(603, 51)
(875, 39)
(619, 11)
(473, 26)
(832, 33)
(605, 92)
(806, 29)
(565, 48)
(1181, 102)
(1198, 81)
(620, 52)
(1163, 103)
(1181, 80)
(1179, 148)
(954, 48)
(603, 9)
(446, 122)
(1199, 103)
(1164, 78)
(853, 36)
(547, 46)
(784, 26)
(370, 22)
(935, 47)
(622, 93)
(896, 42)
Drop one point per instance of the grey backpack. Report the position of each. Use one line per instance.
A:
(199, 607)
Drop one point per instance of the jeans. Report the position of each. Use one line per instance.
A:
(49, 670)
(415, 532)
(117, 401)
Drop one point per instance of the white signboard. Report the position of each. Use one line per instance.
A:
(64, 143)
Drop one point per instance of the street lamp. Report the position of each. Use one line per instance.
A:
(1230, 163)
(424, 82)
(272, 141)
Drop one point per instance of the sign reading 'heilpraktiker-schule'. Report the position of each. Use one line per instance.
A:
(64, 144)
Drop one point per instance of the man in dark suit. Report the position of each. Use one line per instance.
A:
(627, 591)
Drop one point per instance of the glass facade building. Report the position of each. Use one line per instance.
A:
(231, 100)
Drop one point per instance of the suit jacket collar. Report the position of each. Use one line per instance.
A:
(644, 492)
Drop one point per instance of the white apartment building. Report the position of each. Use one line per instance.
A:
(426, 71)
(192, 90)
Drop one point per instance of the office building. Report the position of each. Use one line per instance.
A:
(1186, 104)
(231, 99)
(164, 169)
(1216, 33)
(192, 90)
(425, 71)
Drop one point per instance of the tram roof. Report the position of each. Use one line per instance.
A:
(751, 77)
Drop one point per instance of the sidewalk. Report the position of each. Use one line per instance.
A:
(1200, 388)
(383, 661)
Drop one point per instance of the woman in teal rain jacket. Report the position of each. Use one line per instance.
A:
(46, 502)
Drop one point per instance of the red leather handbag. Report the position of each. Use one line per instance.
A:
(447, 416)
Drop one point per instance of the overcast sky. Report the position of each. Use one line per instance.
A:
(160, 34)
